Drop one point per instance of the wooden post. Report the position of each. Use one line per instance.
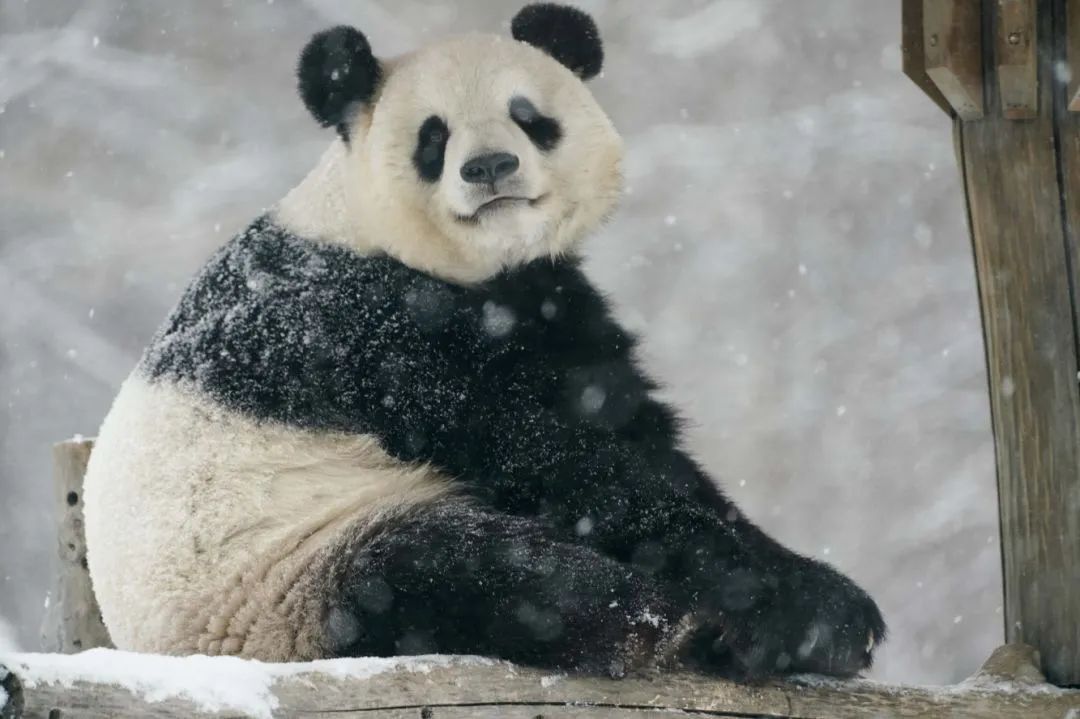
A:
(73, 620)
(1020, 163)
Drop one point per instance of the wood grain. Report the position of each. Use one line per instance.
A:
(1017, 64)
(952, 43)
(1008, 688)
(913, 53)
(1055, 499)
(1027, 297)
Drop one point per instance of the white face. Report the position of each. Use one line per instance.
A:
(477, 154)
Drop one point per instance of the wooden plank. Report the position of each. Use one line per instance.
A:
(1008, 687)
(1010, 172)
(1071, 68)
(1017, 67)
(913, 53)
(952, 43)
(72, 621)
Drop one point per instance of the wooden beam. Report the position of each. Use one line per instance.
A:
(73, 620)
(952, 43)
(1009, 686)
(913, 53)
(1017, 66)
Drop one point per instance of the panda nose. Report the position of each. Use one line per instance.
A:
(487, 169)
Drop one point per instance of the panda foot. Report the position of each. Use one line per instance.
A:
(810, 620)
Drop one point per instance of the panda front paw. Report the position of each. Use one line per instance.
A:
(793, 618)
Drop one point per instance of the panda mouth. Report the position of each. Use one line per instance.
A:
(500, 203)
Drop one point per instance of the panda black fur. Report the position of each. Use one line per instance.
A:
(332, 449)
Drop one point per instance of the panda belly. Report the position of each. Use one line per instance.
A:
(205, 529)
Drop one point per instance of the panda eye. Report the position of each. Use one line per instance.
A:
(431, 148)
(544, 131)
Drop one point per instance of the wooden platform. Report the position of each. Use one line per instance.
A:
(105, 683)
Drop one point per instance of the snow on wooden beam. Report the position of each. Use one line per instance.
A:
(106, 683)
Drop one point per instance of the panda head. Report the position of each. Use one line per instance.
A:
(469, 156)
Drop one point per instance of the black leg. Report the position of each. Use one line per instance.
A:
(759, 608)
(454, 578)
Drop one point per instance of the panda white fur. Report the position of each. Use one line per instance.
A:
(393, 416)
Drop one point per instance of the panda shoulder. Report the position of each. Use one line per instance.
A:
(265, 263)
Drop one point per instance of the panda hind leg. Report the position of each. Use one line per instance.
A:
(457, 579)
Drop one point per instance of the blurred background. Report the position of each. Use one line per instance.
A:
(792, 246)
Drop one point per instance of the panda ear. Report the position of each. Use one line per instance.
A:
(566, 33)
(336, 74)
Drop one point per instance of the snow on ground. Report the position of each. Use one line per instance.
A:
(213, 684)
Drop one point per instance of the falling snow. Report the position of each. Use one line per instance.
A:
(1062, 72)
(192, 154)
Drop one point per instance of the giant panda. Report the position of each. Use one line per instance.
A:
(393, 416)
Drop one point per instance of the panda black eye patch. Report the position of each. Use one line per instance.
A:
(544, 131)
(431, 148)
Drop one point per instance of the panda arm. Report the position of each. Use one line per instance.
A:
(569, 429)
(575, 436)
(631, 495)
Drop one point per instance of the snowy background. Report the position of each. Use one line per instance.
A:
(792, 245)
